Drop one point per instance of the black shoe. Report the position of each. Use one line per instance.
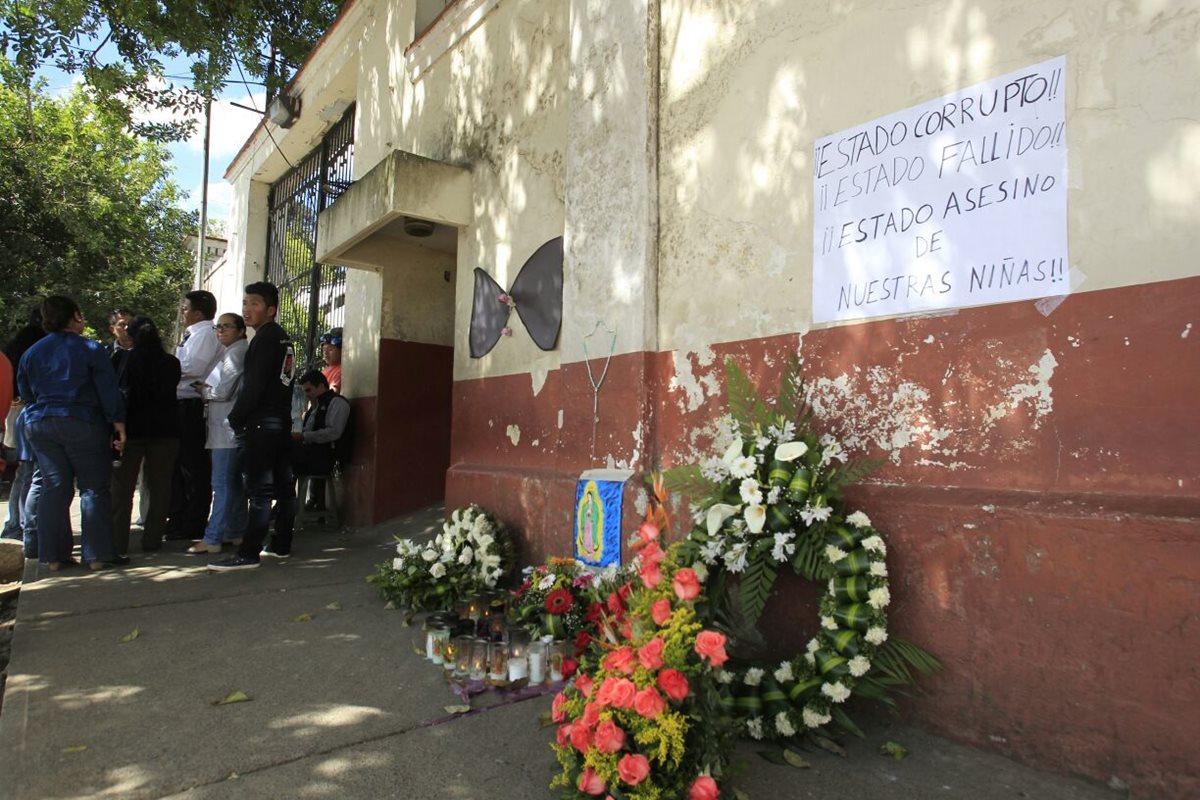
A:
(273, 553)
(234, 562)
(177, 536)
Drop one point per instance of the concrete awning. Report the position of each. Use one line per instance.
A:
(361, 227)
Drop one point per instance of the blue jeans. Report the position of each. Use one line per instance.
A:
(16, 500)
(228, 518)
(29, 512)
(73, 452)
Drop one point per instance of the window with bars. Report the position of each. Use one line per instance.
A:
(311, 294)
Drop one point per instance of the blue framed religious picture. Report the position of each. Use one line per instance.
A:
(597, 534)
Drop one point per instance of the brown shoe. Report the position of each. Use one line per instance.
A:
(203, 548)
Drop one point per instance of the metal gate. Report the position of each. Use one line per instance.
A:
(312, 295)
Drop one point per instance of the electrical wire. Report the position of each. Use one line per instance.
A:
(266, 125)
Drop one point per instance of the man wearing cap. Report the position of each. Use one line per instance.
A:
(331, 352)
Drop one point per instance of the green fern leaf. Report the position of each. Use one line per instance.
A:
(755, 587)
(688, 480)
(745, 406)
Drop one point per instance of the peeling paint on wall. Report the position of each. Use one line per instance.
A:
(1035, 393)
(514, 434)
(695, 390)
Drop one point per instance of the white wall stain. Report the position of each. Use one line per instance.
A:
(560, 419)
(695, 389)
(1186, 330)
(514, 434)
(1035, 393)
(889, 415)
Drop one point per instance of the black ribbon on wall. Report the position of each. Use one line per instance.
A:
(536, 293)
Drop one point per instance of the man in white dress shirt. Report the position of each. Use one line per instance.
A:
(198, 353)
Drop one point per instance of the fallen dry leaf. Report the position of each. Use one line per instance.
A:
(302, 618)
(234, 697)
(129, 637)
(75, 748)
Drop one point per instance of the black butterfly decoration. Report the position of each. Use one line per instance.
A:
(536, 293)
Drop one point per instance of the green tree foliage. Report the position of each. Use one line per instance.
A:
(86, 209)
(119, 46)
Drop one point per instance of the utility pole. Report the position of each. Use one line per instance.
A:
(203, 232)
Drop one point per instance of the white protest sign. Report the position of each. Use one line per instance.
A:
(961, 201)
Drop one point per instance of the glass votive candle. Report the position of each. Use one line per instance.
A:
(518, 660)
(435, 643)
(479, 660)
(474, 609)
(462, 661)
(497, 626)
(537, 663)
(557, 654)
(450, 648)
(498, 661)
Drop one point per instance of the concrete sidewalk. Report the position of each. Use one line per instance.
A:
(341, 706)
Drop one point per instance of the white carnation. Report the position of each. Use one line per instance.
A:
(814, 645)
(875, 544)
(859, 520)
(829, 623)
(724, 676)
(783, 725)
(834, 553)
(876, 635)
(784, 673)
(814, 719)
(859, 666)
(397, 563)
(879, 569)
(754, 727)
(879, 598)
(429, 555)
(438, 570)
(811, 659)
(835, 692)
(753, 676)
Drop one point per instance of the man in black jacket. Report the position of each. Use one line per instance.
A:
(262, 420)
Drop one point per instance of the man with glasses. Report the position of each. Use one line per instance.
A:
(198, 353)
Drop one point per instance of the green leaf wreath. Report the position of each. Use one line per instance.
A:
(774, 499)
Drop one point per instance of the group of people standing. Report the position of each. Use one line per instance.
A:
(208, 429)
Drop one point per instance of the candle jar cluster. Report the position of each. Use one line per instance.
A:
(475, 643)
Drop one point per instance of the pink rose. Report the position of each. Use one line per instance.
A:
(653, 554)
(560, 714)
(633, 768)
(711, 645)
(704, 788)
(661, 611)
(650, 573)
(687, 585)
(649, 703)
(650, 654)
(569, 666)
(673, 684)
(622, 693)
(590, 782)
(591, 715)
(563, 734)
(648, 532)
(609, 737)
(584, 684)
(581, 738)
(620, 660)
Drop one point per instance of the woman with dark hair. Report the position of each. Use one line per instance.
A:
(74, 417)
(152, 425)
(228, 520)
(26, 485)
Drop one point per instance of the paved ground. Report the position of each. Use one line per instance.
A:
(341, 706)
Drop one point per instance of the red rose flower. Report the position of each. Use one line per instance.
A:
(704, 788)
(609, 737)
(520, 590)
(620, 660)
(650, 654)
(649, 703)
(560, 700)
(581, 738)
(583, 683)
(711, 645)
(633, 768)
(594, 612)
(582, 640)
(569, 666)
(673, 683)
(627, 630)
(616, 692)
(590, 782)
(648, 532)
(559, 601)
(661, 611)
(563, 734)
(687, 585)
(652, 554)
